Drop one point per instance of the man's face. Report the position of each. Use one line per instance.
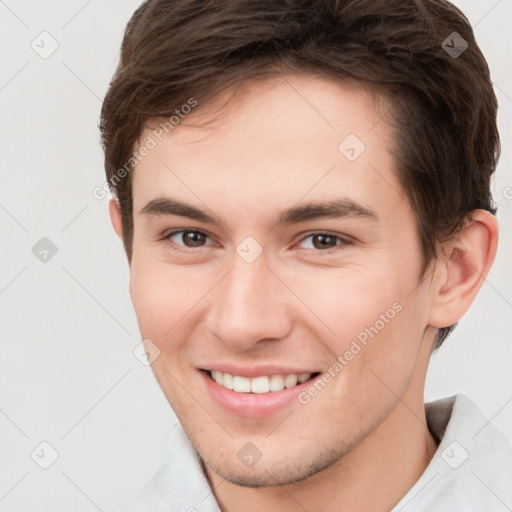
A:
(266, 297)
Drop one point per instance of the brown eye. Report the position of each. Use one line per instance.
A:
(322, 241)
(188, 238)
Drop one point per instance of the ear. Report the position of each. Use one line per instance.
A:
(462, 269)
(115, 217)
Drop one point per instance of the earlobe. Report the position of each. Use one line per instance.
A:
(115, 216)
(463, 269)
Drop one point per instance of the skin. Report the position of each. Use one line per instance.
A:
(362, 442)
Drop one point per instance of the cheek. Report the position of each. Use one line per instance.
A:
(164, 301)
(345, 302)
(160, 296)
(367, 318)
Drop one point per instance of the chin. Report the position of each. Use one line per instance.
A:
(277, 473)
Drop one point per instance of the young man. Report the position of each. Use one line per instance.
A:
(302, 189)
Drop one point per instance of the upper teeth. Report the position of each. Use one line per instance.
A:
(258, 384)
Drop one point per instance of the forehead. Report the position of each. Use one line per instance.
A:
(273, 142)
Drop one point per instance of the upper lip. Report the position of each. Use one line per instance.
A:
(257, 370)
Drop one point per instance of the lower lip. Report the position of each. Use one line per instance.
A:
(253, 405)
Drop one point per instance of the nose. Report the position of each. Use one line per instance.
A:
(250, 305)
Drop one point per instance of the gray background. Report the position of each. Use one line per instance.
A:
(68, 373)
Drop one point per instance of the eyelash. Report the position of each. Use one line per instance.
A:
(176, 247)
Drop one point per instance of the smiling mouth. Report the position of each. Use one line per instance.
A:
(261, 384)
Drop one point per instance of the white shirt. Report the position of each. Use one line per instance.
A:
(470, 471)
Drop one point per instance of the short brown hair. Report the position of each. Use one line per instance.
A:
(409, 51)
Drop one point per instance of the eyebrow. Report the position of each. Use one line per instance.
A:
(334, 209)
